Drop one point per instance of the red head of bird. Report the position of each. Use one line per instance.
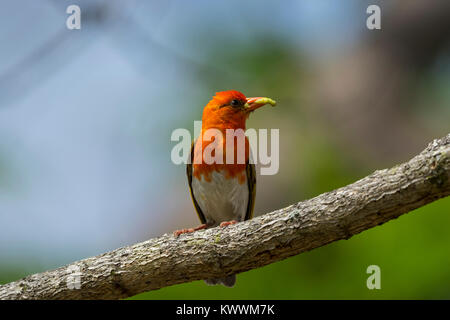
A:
(226, 110)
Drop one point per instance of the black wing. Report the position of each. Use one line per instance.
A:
(189, 176)
(251, 180)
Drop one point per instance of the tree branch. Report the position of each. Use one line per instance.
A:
(164, 261)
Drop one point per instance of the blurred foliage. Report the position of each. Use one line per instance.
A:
(412, 251)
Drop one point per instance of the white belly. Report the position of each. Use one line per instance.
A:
(221, 199)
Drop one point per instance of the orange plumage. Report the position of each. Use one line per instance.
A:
(215, 116)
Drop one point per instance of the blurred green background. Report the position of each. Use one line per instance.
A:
(86, 118)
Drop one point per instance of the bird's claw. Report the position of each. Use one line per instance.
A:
(189, 230)
(227, 223)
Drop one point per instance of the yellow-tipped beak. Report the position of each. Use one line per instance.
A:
(255, 103)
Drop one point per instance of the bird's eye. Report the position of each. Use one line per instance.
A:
(235, 103)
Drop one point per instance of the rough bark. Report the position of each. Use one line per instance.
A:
(164, 261)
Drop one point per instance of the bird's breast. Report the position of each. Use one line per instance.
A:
(221, 197)
(236, 168)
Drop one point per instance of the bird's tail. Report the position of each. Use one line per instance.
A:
(228, 281)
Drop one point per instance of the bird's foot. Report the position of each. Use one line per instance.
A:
(178, 232)
(227, 223)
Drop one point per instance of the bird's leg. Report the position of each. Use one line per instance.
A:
(178, 232)
(227, 223)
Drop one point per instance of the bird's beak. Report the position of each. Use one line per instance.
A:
(255, 103)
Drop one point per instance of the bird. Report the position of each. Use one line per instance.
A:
(223, 192)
